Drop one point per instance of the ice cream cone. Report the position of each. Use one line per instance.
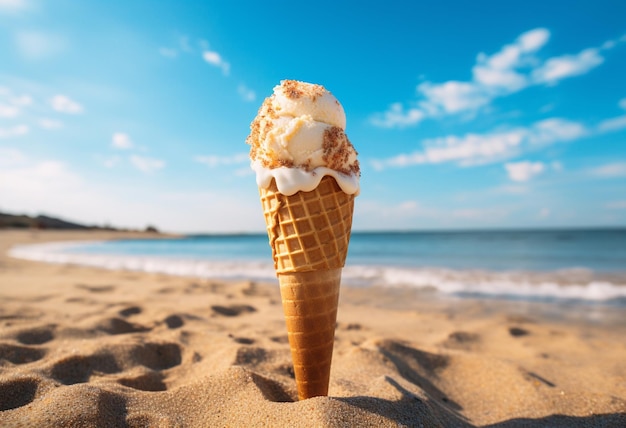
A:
(309, 234)
(308, 176)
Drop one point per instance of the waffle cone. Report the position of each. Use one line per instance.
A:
(310, 307)
(308, 231)
(309, 234)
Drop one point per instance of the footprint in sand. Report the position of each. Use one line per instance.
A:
(349, 326)
(461, 340)
(75, 369)
(174, 321)
(131, 310)
(280, 339)
(251, 356)
(197, 288)
(17, 393)
(158, 356)
(96, 288)
(152, 381)
(233, 310)
(35, 336)
(518, 332)
(79, 368)
(242, 340)
(354, 326)
(120, 326)
(20, 354)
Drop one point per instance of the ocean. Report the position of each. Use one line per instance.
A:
(545, 265)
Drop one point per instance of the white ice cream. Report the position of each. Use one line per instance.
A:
(298, 137)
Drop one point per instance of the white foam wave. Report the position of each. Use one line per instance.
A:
(560, 285)
(576, 285)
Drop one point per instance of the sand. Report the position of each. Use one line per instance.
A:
(85, 347)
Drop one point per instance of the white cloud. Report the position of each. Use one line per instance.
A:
(13, 105)
(558, 68)
(14, 6)
(216, 60)
(396, 116)
(122, 141)
(33, 186)
(499, 71)
(10, 157)
(613, 124)
(513, 68)
(210, 56)
(46, 123)
(50, 186)
(22, 100)
(8, 111)
(533, 40)
(14, 131)
(246, 93)
(453, 96)
(473, 149)
(549, 131)
(63, 104)
(610, 170)
(53, 187)
(145, 164)
(213, 161)
(38, 178)
(524, 171)
(37, 45)
(111, 162)
(506, 79)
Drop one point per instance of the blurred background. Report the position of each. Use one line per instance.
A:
(475, 115)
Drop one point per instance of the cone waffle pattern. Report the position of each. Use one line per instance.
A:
(308, 231)
(310, 307)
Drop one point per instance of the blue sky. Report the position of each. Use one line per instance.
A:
(484, 115)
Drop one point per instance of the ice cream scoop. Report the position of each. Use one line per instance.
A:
(308, 176)
(298, 137)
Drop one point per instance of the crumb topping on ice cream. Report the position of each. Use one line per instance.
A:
(298, 137)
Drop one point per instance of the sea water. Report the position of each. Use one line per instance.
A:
(579, 265)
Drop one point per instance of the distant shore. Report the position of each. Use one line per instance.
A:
(83, 346)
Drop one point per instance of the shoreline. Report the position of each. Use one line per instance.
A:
(563, 287)
(89, 346)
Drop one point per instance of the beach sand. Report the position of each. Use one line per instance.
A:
(88, 347)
